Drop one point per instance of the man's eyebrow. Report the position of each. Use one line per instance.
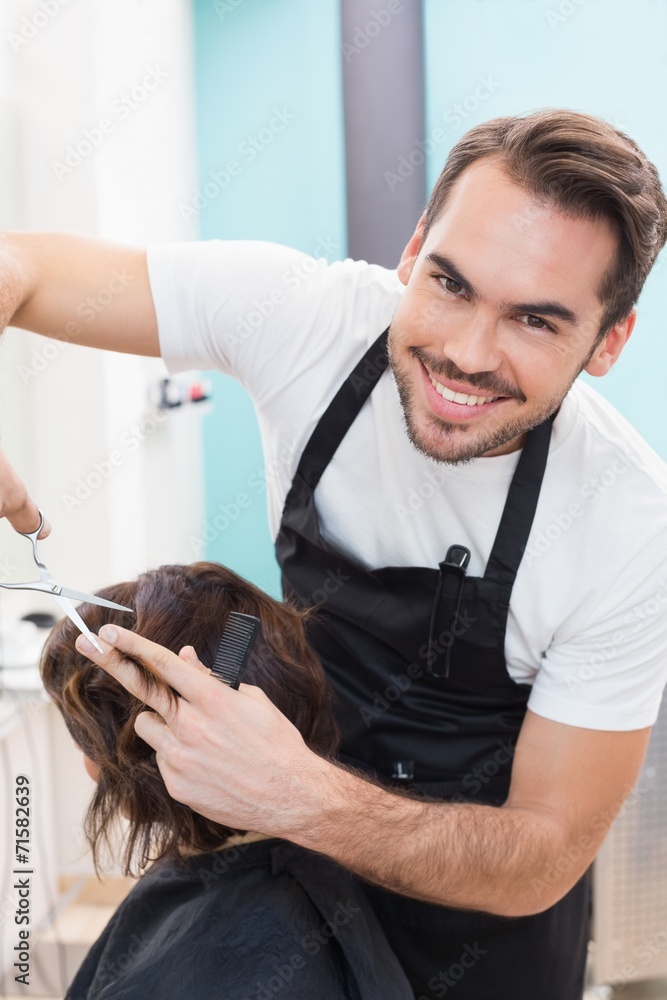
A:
(547, 308)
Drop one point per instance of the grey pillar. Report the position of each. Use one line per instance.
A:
(383, 91)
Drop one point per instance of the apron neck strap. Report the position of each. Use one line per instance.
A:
(342, 411)
(520, 506)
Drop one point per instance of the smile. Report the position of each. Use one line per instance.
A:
(460, 397)
(451, 404)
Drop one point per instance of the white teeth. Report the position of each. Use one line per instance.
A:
(461, 397)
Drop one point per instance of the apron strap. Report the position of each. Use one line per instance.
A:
(342, 411)
(520, 506)
(523, 495)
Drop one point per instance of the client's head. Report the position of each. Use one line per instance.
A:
(174, 606)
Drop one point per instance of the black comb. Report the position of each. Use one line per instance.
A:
(234, 649)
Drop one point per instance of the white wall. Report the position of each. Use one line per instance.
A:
(25, 749)
(62, 410)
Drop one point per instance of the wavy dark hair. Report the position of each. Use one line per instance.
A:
(175, 606)
(584, 167)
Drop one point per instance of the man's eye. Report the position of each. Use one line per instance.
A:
(536, 323)
(451, 285)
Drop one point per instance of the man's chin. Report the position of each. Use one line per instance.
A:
(457, 444)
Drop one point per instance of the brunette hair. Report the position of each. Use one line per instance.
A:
(586, 168)
(175, 606)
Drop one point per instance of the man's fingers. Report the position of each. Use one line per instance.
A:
(127, 674)
(189, 654)
(26, 518)
(152, 730)
(15, 504)
(177, 673)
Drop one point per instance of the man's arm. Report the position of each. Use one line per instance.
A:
(231, 756)
(568, 784)
(78, 288)
(75, 288)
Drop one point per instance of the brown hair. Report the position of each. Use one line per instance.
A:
(586, 168)
(175, 606)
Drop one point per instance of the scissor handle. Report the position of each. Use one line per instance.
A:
(33, 536)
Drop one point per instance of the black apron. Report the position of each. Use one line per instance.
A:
(423, 698)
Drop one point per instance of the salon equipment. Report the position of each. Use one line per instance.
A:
(41, 619)
(20, 646)
(47, 585)
(237, 641)
(170, 393)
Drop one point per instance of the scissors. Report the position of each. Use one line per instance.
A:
(47, 585)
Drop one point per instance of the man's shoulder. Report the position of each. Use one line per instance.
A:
(595, 436)
(290, 268)
(264, 312)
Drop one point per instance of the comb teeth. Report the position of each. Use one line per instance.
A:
(234, 649)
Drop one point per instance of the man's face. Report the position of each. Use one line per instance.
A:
(500, 309)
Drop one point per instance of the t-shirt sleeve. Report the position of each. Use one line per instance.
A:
(249, 308)
(610, 674)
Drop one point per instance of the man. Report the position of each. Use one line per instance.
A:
(488, 582)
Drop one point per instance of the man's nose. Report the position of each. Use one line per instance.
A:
(474, 346)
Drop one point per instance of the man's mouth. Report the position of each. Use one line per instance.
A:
(465, 399)
(455, 402)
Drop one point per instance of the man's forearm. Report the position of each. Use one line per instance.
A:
(79, 289)
(454, 854)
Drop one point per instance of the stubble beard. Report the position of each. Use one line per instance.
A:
(451, 443)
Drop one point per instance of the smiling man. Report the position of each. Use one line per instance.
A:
(492, 614)
(503, 308)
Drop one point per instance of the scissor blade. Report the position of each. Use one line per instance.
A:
(76, 595)
(78, 621)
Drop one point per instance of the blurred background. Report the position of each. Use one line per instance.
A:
(372, 96)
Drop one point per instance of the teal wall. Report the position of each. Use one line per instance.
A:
(604, 57)
(253, 56)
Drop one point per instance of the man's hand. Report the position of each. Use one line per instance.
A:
(230, 755)
(233, 757)
(15, 504)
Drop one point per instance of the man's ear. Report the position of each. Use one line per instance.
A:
(409, 255)
(608, 351)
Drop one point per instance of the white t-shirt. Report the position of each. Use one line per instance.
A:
(588, 617)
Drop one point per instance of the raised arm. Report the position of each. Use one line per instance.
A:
(75, 288)
(78, 288)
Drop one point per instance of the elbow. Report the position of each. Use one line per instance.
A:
(519, 900)
(525, 907)
(548, 872)
(534, 897)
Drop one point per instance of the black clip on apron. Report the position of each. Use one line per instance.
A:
(423, 698)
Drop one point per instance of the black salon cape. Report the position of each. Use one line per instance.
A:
(260, 921)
